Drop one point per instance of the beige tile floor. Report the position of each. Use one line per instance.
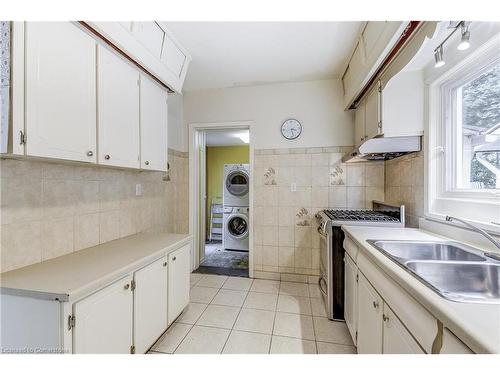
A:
(240, 315)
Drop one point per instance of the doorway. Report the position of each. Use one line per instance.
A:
(221, 190)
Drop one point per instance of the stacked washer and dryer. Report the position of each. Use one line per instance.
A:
(235, 199)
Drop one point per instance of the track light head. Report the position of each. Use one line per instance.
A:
(438, 56)
(464, 40)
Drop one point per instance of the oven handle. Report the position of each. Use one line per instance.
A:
(320, 287)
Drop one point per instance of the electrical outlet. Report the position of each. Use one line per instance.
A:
(293, 187)
(138, 190)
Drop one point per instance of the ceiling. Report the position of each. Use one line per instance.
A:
(228, 54)
(226, 137)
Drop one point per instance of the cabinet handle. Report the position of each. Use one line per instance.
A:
(126, 286)
(164, 264)
(90, 153)
(146, 162)
(385, 318)
(174, 258)
(375, 305)
(107, 157)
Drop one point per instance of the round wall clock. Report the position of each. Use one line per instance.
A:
(291, 129)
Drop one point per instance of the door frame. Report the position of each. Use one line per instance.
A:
(196, 226)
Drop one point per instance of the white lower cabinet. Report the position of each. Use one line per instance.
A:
(453, 345)
(397, 339)
(103, 320)
(150, 304)
(370, 308)
(129, 315)
(351, 296)
(178, 282)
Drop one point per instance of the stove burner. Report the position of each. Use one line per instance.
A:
(362, 215)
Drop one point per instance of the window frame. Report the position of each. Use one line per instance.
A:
(442, 196)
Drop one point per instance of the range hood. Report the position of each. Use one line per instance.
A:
(381, 148)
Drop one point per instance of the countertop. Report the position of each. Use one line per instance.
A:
(70, 277)
(476, 324)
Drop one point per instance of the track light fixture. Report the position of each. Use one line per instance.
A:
(463, 45)
(438, 56)
(464, 40)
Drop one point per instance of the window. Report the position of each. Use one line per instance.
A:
(476, 114)
(463, 145)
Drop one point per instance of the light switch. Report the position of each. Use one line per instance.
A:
(138, 190)
(293, 187)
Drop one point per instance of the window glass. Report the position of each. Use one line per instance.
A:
(477, 114)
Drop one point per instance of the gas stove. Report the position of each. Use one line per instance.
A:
(381, 214)
(332, 253)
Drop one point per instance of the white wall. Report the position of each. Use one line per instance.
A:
(316, 104)
(176, 130)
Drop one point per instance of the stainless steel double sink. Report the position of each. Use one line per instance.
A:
(455, 271)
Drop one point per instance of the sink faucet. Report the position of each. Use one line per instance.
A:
(479, 230)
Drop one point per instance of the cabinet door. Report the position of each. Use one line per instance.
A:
(173, 57)
(397, 339)
(359, 124)
(351, 294)
(453, 345)
(153, 125)
(372, 113)
(103, 321)
(370, 307)
(150, 304)
(178, 282)
(60, 91)
(118, 110)
(150, 35)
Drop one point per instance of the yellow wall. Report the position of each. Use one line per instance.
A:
(216, 157)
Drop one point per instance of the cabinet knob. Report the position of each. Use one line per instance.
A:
(107, 157)
(375, 304)
(146, 162)
(385, 317)
(174, 258)
(164, 264)
(126, 286)
(90, 153)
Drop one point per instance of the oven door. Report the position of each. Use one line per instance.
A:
(325, 262)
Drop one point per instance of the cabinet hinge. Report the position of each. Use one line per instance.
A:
(132, 285)
(356, 336)
(71, 322)
(22, 137)
(132, 349)
(357, 277)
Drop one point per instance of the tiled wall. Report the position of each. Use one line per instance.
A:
(285, 236)
(404, 184)
(51, 209)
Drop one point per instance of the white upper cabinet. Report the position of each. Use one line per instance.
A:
(173, 57)
(150, 35)
(151, 45)
(153, 125)
(150, 304)
(372, 112)
(60, 91)
(104, 320)
(373, 45)
(118, 110)
(359, 124)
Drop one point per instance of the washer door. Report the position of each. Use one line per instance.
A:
(237, 226)
(237, 183)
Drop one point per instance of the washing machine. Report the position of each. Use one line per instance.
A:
(236, 185)
(236, 228)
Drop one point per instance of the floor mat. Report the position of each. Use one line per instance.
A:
(215, 256)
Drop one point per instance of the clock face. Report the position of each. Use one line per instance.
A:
(291, 129)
